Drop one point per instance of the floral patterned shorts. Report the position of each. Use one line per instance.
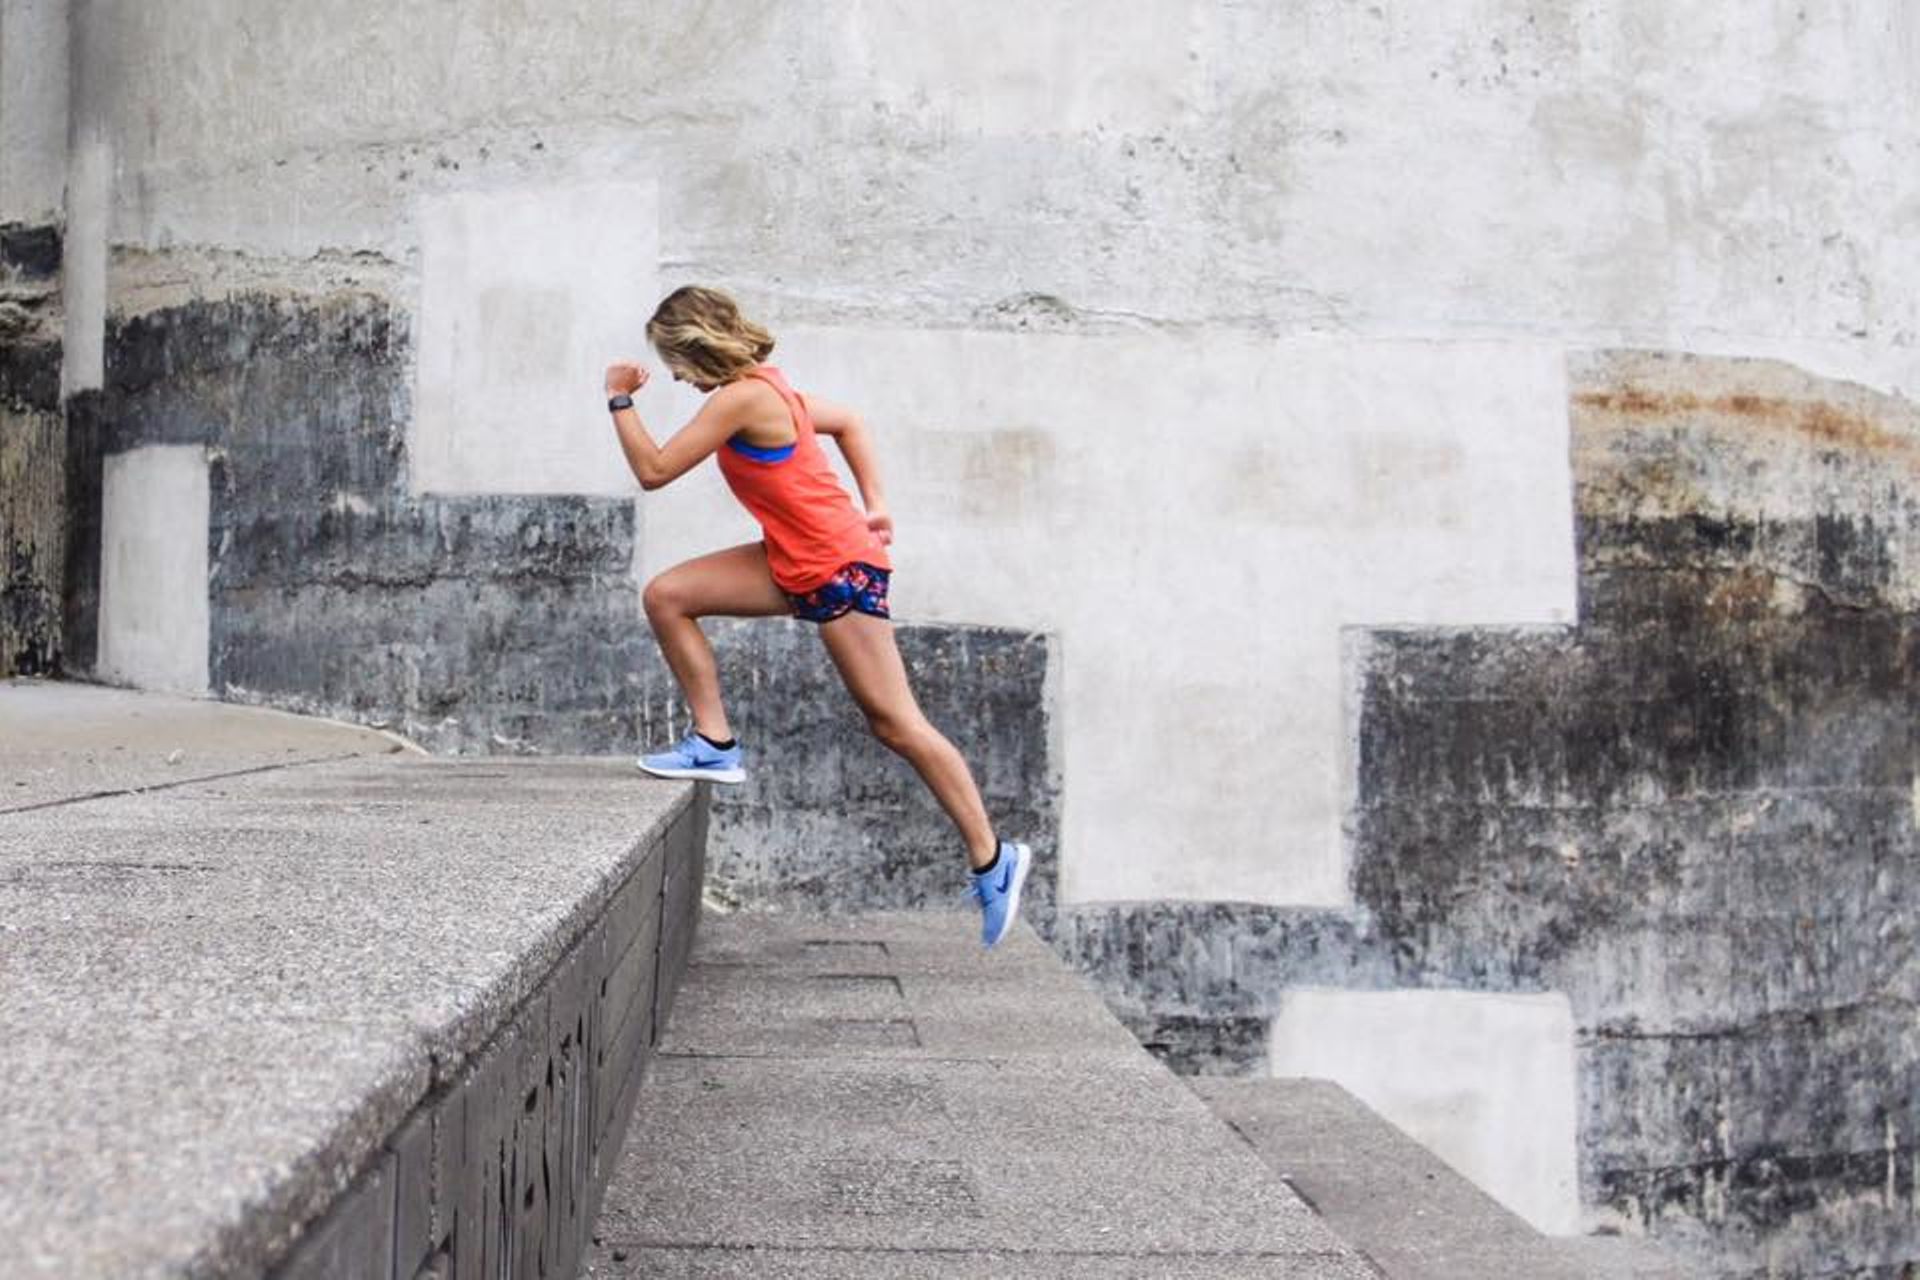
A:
(858, 585)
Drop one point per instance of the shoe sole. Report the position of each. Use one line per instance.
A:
(1013, 894)
(699, 775)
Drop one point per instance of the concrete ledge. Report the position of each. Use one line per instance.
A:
(352, 1017)
(875, 1095)
(63, 742)
(1413, 1216)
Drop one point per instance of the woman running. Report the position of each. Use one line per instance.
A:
(820, 559)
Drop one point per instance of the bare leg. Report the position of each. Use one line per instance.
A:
(863, 647)
(734, 583)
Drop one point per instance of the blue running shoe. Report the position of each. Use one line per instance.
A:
(998, 890)
(694, 757)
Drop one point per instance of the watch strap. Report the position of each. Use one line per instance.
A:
(621, 401)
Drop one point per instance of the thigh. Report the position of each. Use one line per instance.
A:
(863, 648)
(734, 583)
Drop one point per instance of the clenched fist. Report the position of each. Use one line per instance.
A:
(624, 377)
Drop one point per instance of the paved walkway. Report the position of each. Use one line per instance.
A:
(878, 1097)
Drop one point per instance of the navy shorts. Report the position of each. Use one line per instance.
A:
(858, 585)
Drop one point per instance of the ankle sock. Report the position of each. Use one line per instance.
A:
(718, 746)
(981, 871)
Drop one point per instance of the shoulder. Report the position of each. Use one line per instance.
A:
(739, 401)
(747, 394)
(742, 390)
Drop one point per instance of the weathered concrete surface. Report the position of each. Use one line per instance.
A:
(153, 569)
(33, 136)
(1182, 514)
(33, 496)
(484, 623)
(227, 1002)
(874, 1095)
(1689, 814)
(1374, 180)
(1198, 982)
(1009, 293)
(516, 327)
(1485, 1080)
(828, 818)
(511, 623)
(34, 93)
(61, 742)
(1715, 175)
(1413, 1216)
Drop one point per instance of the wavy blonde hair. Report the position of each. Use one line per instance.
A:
(702, 331)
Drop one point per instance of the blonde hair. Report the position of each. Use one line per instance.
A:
(702, 331)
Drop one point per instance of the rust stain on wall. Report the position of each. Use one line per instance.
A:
(1818, 421)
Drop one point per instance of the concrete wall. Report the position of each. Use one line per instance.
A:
(1220, 364)
(153, 569)
(1185, 516)
(1690, 817)
(33, 504)
(1199, 178)
(1484, 1081)
(523, 293)
(34, 92)
(503, 1169)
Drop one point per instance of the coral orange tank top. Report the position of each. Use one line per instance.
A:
(811, 525)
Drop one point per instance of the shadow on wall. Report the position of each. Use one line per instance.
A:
(1694, 814)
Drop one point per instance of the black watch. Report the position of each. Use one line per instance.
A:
(621, 401)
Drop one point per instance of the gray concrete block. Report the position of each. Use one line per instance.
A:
(185, 1143)
(636, 905)
(565, 1141)
(775, 1151)
(616, 1262)
(1392, 1198)
(414, 1185)
(931, 941)
(61, 741)
(627, 984)
(768, 1144)
(355, 1241)
(622, 1060)
(749, 1008)
(225, 1000)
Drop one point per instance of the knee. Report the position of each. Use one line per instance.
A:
(896, 732)
(661, 599)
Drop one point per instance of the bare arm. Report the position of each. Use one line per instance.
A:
(654, 464)
(850, 432)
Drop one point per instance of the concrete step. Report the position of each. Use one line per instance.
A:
(876, 1096)
(276, 1000)
(1402, 1206)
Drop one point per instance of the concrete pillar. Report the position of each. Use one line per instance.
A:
(33, 493)
(1484, 1081)
(89, 193)
(154, 623)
